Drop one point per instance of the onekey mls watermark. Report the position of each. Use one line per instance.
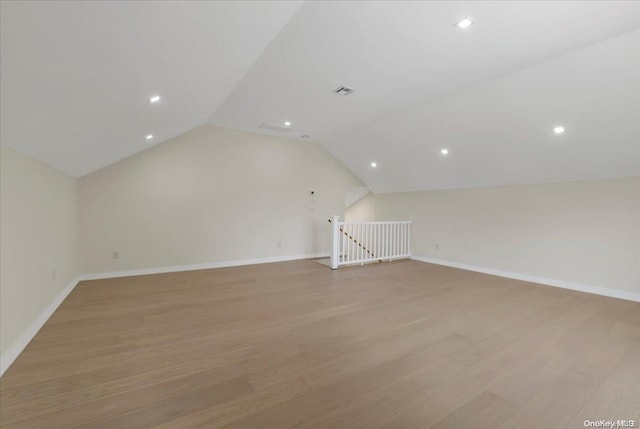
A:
(611, 424)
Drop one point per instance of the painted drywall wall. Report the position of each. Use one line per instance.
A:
(210, 195)
(39, 241)
(355, 193)
(584, 232)
(362, 210)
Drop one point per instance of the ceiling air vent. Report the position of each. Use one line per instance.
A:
(274, 127)
(343, 90)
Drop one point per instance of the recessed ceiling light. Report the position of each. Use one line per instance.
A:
(373, 164)
(150, 136)
(464, 23)
(287, 124)
(445, 151)
(558, 129)
(154, 99)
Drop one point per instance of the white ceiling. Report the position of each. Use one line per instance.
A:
(500, 132)
(76, 78)
(405, 58)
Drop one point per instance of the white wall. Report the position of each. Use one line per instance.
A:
(581, 232)
(355, 193)
(362, 210)
(210, 195)
(38, 230)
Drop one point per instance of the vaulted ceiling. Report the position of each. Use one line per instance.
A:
(76, 78)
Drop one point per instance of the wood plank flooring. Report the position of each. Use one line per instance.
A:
(294, 344)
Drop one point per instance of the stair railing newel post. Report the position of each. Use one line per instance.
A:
(335, 242)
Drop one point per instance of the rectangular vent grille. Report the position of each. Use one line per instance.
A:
(343, 90)
(274, 127)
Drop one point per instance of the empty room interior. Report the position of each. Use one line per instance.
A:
(320, 214)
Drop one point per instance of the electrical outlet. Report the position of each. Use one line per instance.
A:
(279, 244)
(437, 247)
(115, 255)
(54, 274)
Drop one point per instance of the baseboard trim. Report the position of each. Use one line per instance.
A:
(596, 290)
(8, 357)
(203, 266)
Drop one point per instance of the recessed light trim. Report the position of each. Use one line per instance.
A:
(154, 99)
(558, 129)
(149, 136)
(374, 164)
(463, 23)
(444, 151)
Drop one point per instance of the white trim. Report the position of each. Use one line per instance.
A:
(361, 242)
(9, 356)
(375, 223)
(597, 290)
(366, 260)
(203, 266)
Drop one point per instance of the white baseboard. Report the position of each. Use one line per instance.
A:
(597, 290)
(8, 357)
(203, 266)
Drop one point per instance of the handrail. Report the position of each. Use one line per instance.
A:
(375, 223)
(362, 242)
(356, 241)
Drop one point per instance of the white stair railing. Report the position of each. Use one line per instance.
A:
(360, 242)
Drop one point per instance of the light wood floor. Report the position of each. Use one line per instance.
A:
(294, 344)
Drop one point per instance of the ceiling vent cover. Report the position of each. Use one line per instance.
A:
(343, 90)
(274, 127)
